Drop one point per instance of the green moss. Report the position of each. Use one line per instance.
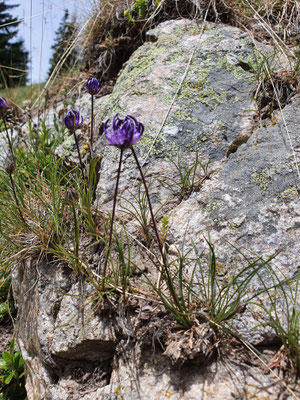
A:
(176, 57)
(213, 206)
(290, 193)
(139, 67)
(181, 32)
(198, 87)
(183, 116)
(146, 143)
(261, 179)
(211, 98)
(235, 70)
(195, 30)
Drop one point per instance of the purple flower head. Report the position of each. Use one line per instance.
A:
(73, 120)
(10, 168)
(71, 196)
(123, 132)
(93, 85)
(3, 102)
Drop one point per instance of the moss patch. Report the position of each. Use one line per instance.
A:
(261, 179)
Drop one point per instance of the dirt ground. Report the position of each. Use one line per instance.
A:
(6, 334)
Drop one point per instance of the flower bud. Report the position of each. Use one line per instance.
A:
(3, 102)
(10, 168)
(124, 132)
(73, 120)
(71, 196)
(93, 86)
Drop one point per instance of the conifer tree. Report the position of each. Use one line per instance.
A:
(62, 41)
(13, 57)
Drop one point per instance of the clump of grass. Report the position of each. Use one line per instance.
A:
(281, 308)
(201, 294)
(189, 176)
(38, 186)
(122, 266)
(274, 89)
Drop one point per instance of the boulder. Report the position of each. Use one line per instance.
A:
(191, 85)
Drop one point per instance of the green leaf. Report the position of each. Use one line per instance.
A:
(17, 359)
(12, 346)
(3, 309)
(6, 356)
(3, 364)
(21, 362)
(9, 378)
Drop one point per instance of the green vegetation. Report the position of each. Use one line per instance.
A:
(7, 306)
(283, 314)
(23, 95)
(135, 205)
(12, 383)
(189, 177)
(139, 9)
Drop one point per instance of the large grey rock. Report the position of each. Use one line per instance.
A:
(249, 199)
(58, 330)
(210, 111)
(252, 203)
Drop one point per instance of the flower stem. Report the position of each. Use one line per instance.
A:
(78, 267)
(112, 216)
(76, 234)
(91, 141)
(92, 128)
(163, 255)
(80, 159)
(8, 138)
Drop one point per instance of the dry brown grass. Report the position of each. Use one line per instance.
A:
(113, 38)
(109, 38)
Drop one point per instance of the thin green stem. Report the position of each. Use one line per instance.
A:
(112, 217)
(76, 234)
(92, 128)
(8, 138)
(91, 139)
(80, 159)
(78, 267)
(163, 255)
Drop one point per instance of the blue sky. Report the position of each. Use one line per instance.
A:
(43, 29)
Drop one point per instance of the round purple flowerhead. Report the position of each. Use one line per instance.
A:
(71, 196)
(123, 132)
(93, 85)
(10, 168)
(3, 102)
(73, 120)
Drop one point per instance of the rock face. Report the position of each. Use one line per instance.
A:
(192, 88)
